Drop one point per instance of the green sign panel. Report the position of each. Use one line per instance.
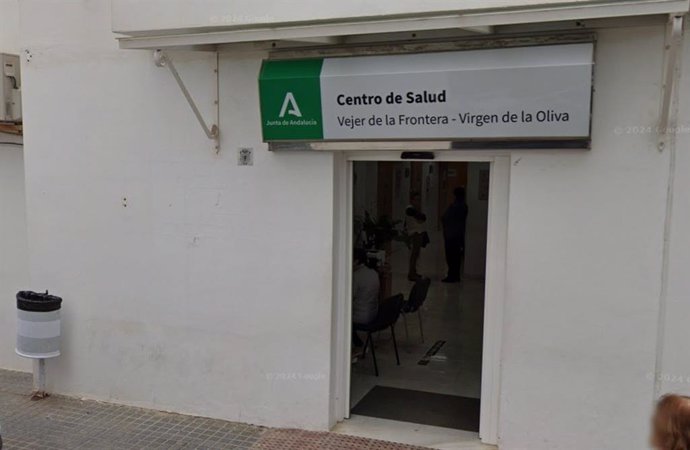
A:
(291, 100)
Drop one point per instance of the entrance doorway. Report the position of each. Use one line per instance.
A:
(344, 394)
(423, 365)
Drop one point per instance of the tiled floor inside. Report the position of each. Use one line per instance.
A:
(452, 313)
(68, 423)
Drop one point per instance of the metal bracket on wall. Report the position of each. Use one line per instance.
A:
(161, 59)
(674, 38)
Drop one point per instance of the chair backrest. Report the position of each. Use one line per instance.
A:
(389, 311)
(418, 294)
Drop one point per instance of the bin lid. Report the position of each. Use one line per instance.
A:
(37, 302)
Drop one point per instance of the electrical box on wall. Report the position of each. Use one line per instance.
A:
(10, 89)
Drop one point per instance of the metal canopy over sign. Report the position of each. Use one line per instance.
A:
(541, 92)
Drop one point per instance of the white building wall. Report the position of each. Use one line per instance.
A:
(675, 367)
(9, 26)
(584, 253)
(14, 266)
(189, 283)
(195, 285)
(136, 15)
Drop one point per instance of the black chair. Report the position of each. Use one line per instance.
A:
(389, 311)
(414, 303)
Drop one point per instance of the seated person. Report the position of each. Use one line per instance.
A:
(365, 293)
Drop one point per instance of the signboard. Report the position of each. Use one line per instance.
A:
(541, 92)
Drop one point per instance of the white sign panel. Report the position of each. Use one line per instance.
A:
(540, 92)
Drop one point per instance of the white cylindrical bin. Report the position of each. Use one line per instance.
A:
(38, 325)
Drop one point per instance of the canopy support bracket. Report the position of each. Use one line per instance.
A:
(161, 59)
(674, 37)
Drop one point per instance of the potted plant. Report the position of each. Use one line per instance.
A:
(376, 233)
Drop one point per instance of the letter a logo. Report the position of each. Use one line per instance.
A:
(292, 104)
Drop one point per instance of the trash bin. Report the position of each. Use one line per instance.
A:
(38, 325)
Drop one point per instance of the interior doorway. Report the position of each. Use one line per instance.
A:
(424, 365)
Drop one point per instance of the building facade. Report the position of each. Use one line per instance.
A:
(197, 285)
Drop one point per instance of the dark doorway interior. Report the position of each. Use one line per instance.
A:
(439, 342)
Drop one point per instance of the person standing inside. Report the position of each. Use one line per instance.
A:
(454, 221)
(415, 221)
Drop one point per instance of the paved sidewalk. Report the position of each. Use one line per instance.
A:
(67, 423)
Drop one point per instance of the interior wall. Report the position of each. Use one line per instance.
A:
(401, 190)
(430, 195)
(478, 209)
(190, 283)
(366, 187)
(367, 183)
